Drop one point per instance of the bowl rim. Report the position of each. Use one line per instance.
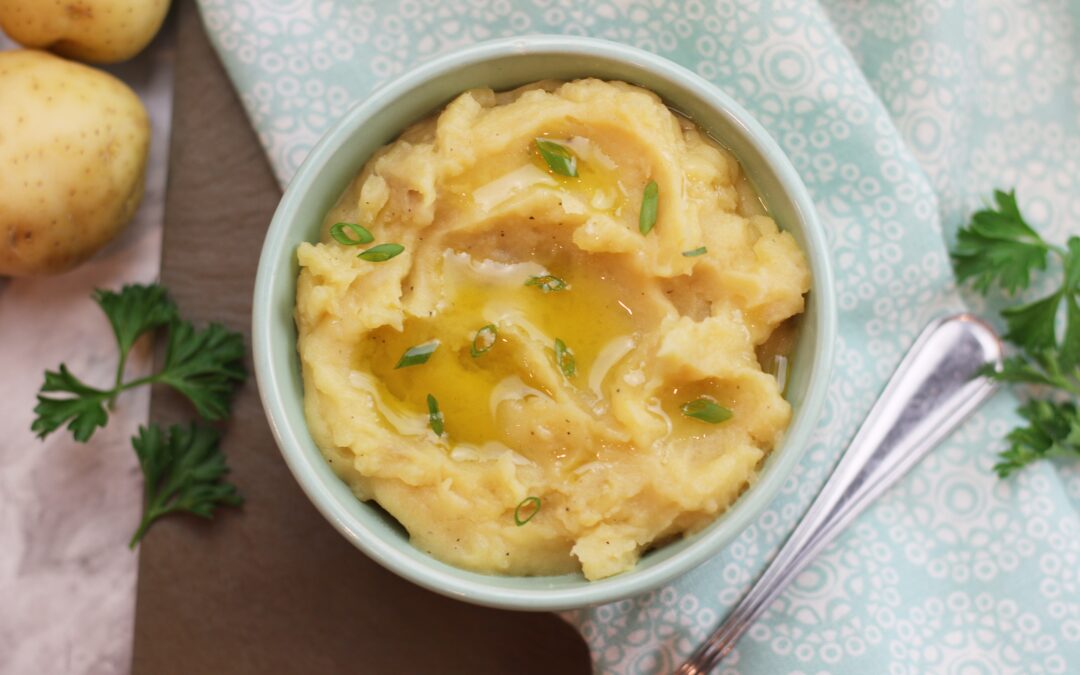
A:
(747, 506)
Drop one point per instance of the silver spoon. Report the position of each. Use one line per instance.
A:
(933, 389)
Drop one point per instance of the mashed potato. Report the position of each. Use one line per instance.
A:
(574, 410)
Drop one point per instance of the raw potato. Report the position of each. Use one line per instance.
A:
(101, 31)
(73, 145)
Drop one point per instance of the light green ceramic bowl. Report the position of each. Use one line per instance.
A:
(335, 161)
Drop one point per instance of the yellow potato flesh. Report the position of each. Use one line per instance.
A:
(100, 31)
(605, 447)
(73, 146)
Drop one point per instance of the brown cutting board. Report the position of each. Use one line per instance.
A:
(272, 588)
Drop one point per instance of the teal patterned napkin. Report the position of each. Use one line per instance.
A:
(900, 117)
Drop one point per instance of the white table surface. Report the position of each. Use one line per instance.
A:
(67, 510)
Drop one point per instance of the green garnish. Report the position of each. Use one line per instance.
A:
(381, 253)
(999, 247)
(83, 412)
(535, 501)
(183, 472)
(417, 354)
(547, 283)
(205, 366)
(706, 410)
(1053, 430)
(564, 358)
(337, 231)
(484, 340)
(693, 253)
(559, 159)
(435, 417)
(135, 310)
(649, 202)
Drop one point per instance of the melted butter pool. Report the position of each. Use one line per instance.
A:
(589, 316)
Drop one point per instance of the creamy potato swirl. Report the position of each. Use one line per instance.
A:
(696, 310)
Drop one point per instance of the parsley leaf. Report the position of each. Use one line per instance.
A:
(1031, 326)
(1042, 369)
(184, 472)
(1072, 265)
(205, 366)
(1053, 430)
(83, 412)
(1070, 345)
(999, 246)
(135, 310)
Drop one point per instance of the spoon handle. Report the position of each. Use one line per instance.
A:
(932, 391)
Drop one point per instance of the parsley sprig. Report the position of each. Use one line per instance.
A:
(204, 365)
(1000, 248)
(183, 469)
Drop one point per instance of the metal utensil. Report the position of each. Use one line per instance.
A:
(932, 391)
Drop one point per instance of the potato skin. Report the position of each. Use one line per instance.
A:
(73, 147)
(99, 31)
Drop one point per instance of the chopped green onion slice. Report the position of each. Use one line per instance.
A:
(559, 159)
(564, 358)
(417, 354)
(484, 340)
(649, 201)
(525, 503)
(435, 418)
(381, 253)
(547, 283)
(706, 410)
(337, 231)
(700, 250)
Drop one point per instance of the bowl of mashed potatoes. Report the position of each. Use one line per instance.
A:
(543, 323)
